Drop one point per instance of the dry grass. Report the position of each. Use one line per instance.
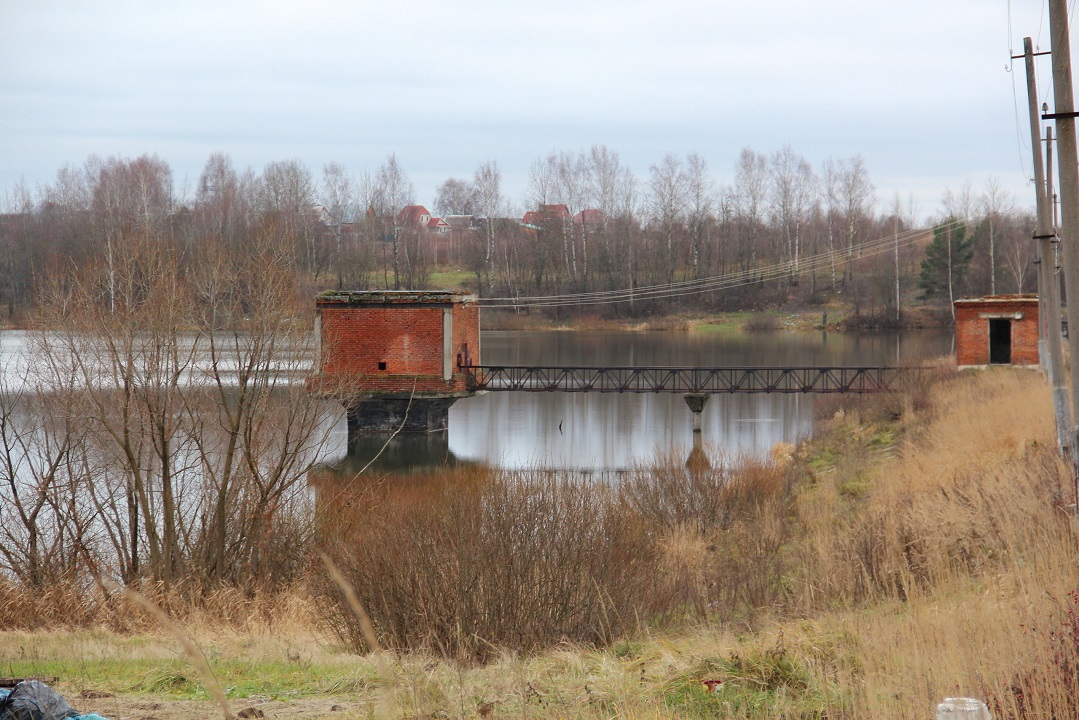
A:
(944, 564)
(918, 548)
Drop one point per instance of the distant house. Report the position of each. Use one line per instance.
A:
(462, 223)
(321, 214)
(438, 226)
(546, 215)
(414, 216)
(590, 219)
(417, 217)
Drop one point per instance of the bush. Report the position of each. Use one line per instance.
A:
(761, 322)
(472, 563)
(466, 562)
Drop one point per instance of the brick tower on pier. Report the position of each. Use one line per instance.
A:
(394, 357)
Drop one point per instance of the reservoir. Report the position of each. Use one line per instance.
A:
(600, 432)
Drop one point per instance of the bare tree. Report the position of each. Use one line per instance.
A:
(16, 254)
(669, 194)
(128, 197)
(603, 175)
(455, 197)
(546, 179)
(750, 194)
(487, 184)
(793, 192)
(255, 432)
(856, 191)
(217, 199)
(392, 192)
(117, 329)
(627, 209)
(287, 201)
(541, 182)
(42, 518)
(338, 195)
(832, 203)
(961, 204)
(135, 194)
(995, 203)
(1019, 252)
(701, 199)
(571, 189)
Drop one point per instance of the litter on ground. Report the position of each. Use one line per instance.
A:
(34, 700)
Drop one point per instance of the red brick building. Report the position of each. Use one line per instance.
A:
(394, 357)
(996, 330)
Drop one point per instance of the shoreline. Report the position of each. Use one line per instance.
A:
(831, 319)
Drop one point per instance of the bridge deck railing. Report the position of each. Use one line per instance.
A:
(683, 380)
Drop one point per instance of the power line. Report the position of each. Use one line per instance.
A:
(784, 265)
(1009, 68)
(719, 282)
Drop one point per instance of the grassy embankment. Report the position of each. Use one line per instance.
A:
(926, 552)
(836, 317)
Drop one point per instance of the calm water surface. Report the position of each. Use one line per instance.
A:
(610, 432)
(600, 431)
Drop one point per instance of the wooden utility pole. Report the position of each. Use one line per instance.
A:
(1064, 115)
(1052, 262)
(1048, 284)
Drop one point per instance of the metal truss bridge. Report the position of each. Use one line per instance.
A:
(683, 380)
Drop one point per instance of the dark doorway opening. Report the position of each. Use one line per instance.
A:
(1000, 342)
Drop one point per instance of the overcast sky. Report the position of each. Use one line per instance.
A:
(919, 88)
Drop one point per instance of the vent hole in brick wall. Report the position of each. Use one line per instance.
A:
(381, 364)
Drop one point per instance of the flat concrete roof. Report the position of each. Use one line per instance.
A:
(990, 299)
(336, 298)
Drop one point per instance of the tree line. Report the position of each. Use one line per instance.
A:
(612, 230)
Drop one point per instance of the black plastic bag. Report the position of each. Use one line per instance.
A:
(34, 700)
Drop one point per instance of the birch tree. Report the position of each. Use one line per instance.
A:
(700, 207)
(337, 193)
(856, 191)
(487, 184)
(995, 202)
(669, 189)
(792, 194)
(750, 196)
(393, 191)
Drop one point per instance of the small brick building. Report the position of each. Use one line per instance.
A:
(996, 330)
(394, 357)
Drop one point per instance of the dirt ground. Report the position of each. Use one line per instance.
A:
(134, 708)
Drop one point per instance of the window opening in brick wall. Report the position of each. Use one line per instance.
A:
(1000, 342)
(381, 364)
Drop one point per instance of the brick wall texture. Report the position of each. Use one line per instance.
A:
(972, 328)
(406, 339)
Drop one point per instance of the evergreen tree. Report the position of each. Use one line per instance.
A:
(947, 259)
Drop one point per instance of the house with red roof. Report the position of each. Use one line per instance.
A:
(414, 216)
(590, 219)
(547, 214)
(438, 226)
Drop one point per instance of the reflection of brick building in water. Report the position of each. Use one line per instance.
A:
(393, 357)
(996, 330)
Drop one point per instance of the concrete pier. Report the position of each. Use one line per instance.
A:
(696, 405)
(388, 414)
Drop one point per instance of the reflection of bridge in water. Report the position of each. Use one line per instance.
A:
(695, 384)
